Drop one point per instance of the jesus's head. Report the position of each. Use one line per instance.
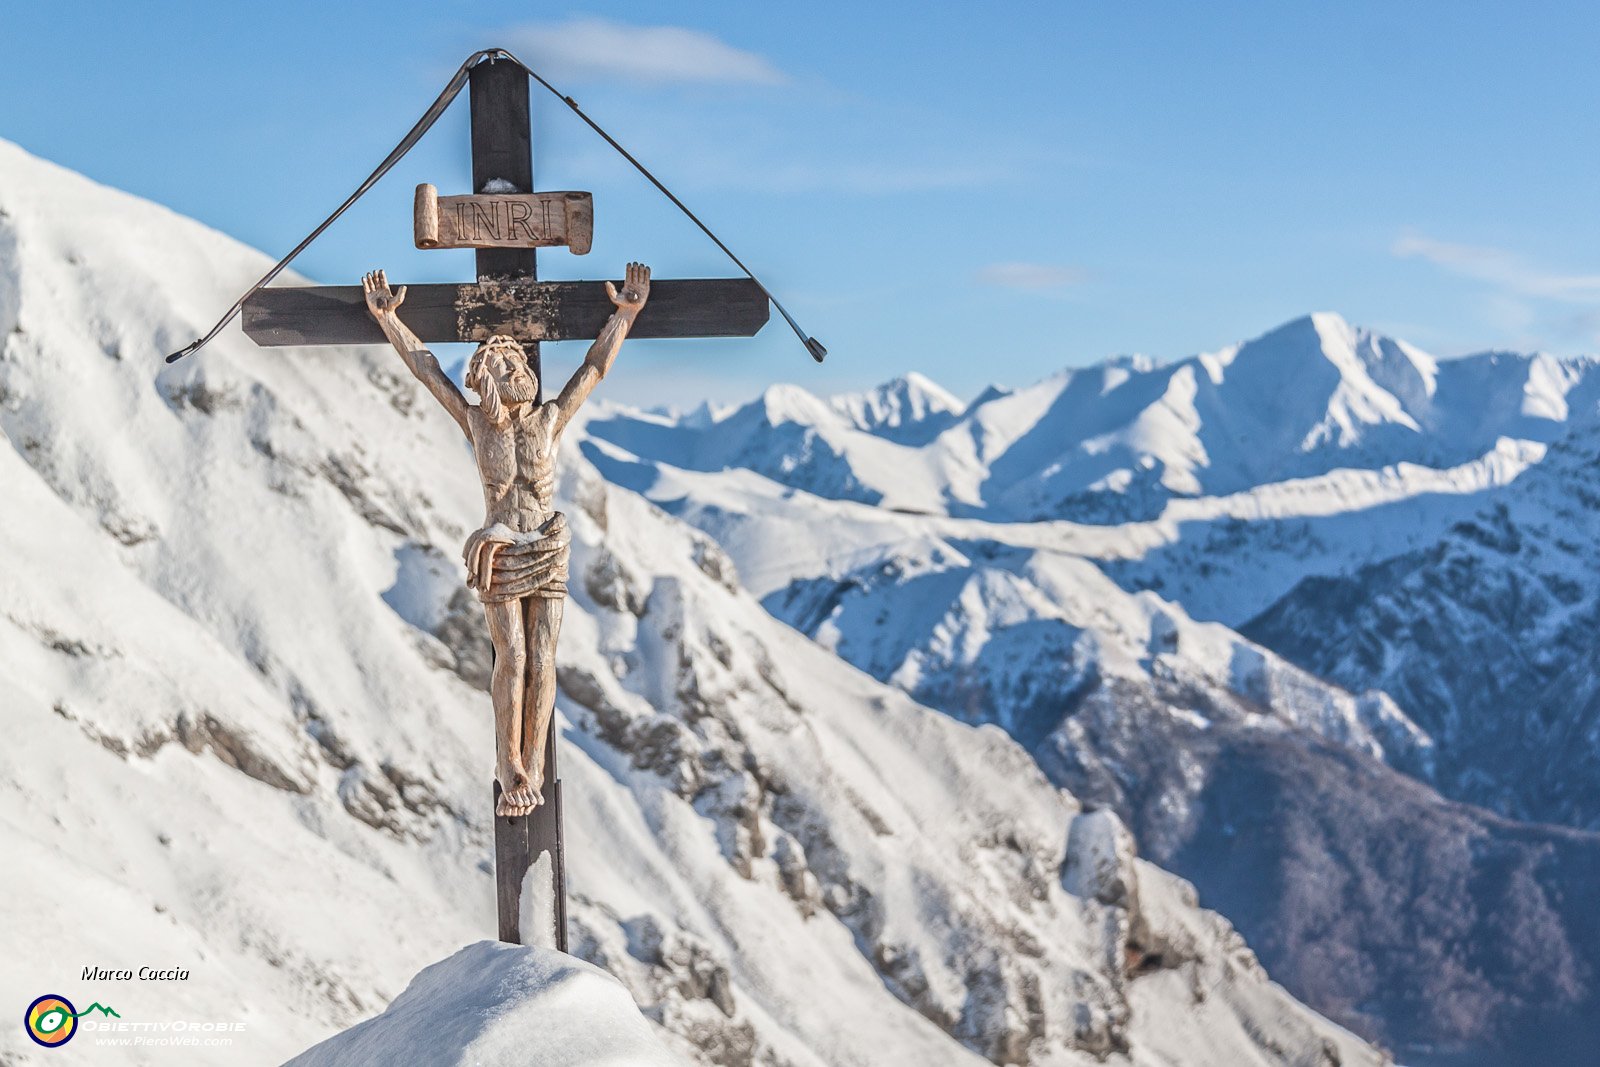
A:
(499, 373)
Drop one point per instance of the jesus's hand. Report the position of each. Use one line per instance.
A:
(480, 552)
(635, 289)
(380, 300)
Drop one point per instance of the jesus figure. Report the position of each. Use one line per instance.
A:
(517, 562)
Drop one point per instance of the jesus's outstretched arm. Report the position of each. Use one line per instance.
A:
(635, 291)
(384, 305)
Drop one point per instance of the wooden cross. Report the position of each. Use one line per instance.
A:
(508, 299)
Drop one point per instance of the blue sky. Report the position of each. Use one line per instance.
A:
(978, 193)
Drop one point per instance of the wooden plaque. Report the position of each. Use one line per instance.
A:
(504, 220)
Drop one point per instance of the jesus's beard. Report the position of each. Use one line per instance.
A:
(524, 392)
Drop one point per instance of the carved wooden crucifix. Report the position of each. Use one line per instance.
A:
(517, 562)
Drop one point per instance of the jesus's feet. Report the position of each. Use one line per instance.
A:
(518, 794)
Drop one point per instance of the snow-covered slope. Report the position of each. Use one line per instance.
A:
(1129, 702)
(243, 739)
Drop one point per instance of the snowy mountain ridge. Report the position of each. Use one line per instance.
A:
(1121, 440)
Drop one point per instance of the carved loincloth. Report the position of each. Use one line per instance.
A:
(533, 563)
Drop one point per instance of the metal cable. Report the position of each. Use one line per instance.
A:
(408, 142)
(813, 346)
(427, 120)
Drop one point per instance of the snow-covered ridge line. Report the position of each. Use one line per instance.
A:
(1120, 440)
(1354, 489)
(855, 533)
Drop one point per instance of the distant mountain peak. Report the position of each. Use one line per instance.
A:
(1306, 335)
(1331, 335)
(1328, 323)
(1138, 362)
(785, 402)
(910, 406)
(911, 393)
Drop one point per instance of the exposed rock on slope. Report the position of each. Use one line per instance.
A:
(1465, 938)
(1487, 637)
(1400, 914)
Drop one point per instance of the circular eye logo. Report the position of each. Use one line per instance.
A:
(51, 1020)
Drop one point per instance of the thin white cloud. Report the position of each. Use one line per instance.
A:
(596, 49)
(1529, 305)
(1031, 277)
(1500, 268)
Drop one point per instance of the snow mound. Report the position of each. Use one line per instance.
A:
(495, 1004)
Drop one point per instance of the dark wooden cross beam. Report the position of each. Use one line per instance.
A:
(509, 299)
(518, 306)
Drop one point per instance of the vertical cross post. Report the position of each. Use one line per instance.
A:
(502, 161)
